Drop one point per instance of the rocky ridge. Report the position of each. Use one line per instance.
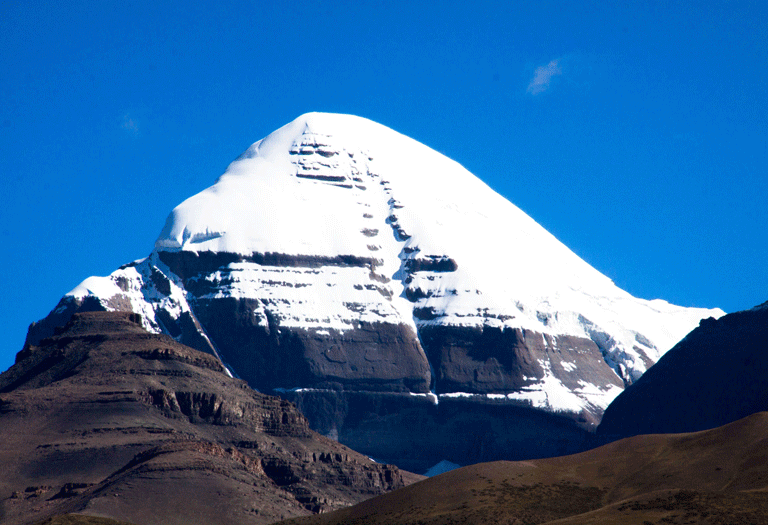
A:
(106, 419)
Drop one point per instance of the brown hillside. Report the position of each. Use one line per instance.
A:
(711, 477)
(105, 419)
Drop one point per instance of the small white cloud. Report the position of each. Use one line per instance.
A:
(130, 125)
(543, 76)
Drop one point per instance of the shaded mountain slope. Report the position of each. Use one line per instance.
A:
(715, 375)
(715, 476)
(106, 419)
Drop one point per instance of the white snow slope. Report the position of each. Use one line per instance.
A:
(330, 185)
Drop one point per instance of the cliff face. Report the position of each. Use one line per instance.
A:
(344, 266)
(104, 418)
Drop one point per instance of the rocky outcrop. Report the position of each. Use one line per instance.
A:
(715, 375)
(107, 419)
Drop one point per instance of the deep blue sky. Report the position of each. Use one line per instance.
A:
(637, 134)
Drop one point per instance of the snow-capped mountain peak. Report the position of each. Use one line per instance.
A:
(337, 254)
(338, 185)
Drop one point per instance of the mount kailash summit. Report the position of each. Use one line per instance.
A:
(409, 310)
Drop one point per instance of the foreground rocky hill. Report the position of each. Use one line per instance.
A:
(108, 420)
(718, 476)
(378, 284)
(715, 375)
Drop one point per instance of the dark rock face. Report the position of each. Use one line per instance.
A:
(190, 264)
(356, 385)
(105, 418)
(495, 360)
(378, 357)
(419, 433)
(712, 377)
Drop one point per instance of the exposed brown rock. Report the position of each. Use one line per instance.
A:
(105, 419)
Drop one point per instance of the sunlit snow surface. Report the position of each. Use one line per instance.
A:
(336, 185)
(130, 288)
